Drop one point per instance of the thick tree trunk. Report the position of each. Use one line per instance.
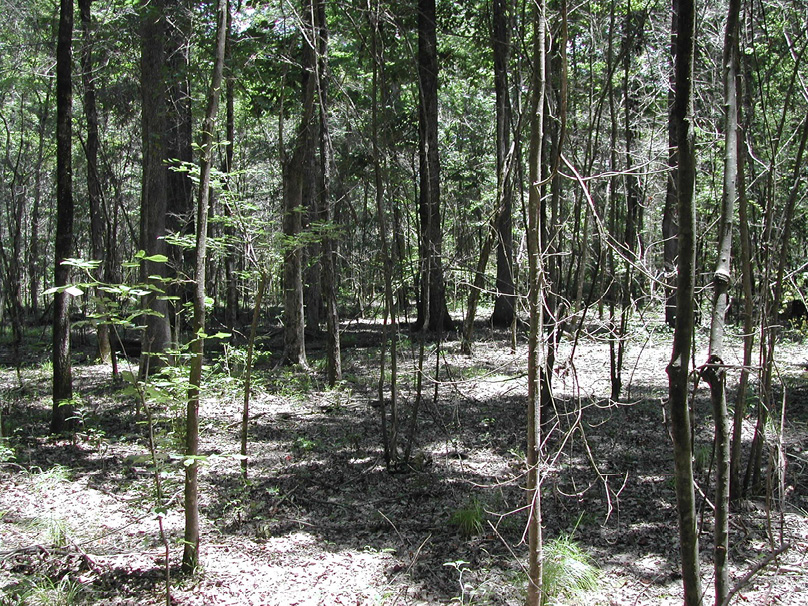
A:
(190, 555)
(62, 417)
(153, 205)
(679, 366)
(433, 313)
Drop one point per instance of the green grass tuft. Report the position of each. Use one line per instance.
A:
(568, 572)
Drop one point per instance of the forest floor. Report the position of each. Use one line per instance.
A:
(321, 521)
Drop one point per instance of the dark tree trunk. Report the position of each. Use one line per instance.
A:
(504, 310)
(679, 366)
(98, 222)
(294, 173)
(62, 418)
(154, 202)
(433, 313)
(179, 149)
(325, 209)
(231, 308)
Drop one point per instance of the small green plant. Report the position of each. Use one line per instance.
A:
(45, 481)
(702, 457)
(568, 572)
(47, 592)
(304, 444)
(54, 530)
(469, 519)
(6, 451)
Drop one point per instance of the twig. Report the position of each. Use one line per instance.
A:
(744, 580)
(418, 552)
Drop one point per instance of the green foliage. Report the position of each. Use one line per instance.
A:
(568, 572)
(304, 444)
(7, 453)
(53, 530)
(47, 480)
(469, 519)
(44, 591)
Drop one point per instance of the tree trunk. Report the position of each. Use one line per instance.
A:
(748, 314)
(679, 366)
(670, 226)
(294, 174)
(325, 209)
(179, 151)
(231, 310)
(389, 431)
(153, 205)
(433, 313)
(536, 362)
(190, 555)
(504, 305)
(713, 372)
(98, 221)
(62, 417)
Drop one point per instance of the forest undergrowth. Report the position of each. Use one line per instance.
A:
(321, 521)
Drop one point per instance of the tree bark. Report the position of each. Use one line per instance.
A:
(154, 203)
(713, 372)
(536, 362)
(98, 220)
(679, 367)
(62, 417)
(190, 555)
(293, 182)
(670, 226)
(504, 308)
(433, 313)
(325, 212)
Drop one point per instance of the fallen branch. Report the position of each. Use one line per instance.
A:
(744, 580)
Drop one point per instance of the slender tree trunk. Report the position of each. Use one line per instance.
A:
(245, 410)
(325, 209)
(293, 201)
(756, 458)
(190, 555)
(389, 432)
(62, 418)
(504, 308)
(670, 226)
(739, 414)
(536, 362)
(98, 222)
(713, 372)
(679, 366)
(34, 260)
(231, 310)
